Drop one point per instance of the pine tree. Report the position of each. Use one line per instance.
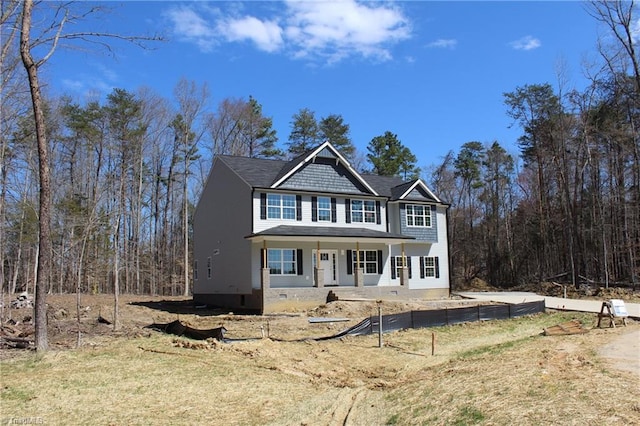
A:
(305, 132)
(389, 157)
(334, 130)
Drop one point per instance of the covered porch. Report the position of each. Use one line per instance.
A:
(298, 257)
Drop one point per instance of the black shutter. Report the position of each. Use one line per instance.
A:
(314, 209)
(347, 209)
(378, 218)
(299, 260)
(436, 263)
(379, 261)
(263, 206)
(349, 263)
(421, 266)
(409, 265)
(298, 207)
(334, 216)
(393, 267)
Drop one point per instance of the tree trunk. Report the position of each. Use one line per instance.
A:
(44, 256)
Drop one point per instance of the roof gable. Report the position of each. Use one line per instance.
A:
(326, 155)
(416, 190)
(325, 175)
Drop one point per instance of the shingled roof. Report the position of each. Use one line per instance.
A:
(257, 172)
(263, 173)
(327, 231)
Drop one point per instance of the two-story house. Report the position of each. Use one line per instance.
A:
(271, 235)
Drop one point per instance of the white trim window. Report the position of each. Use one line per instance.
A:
(363, 211)
(429, 267)
(282, 261)
(418, 215)
(399, 264)
(368, 261)
(324, 209)
(281, 206)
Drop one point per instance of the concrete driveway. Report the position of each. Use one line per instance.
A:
(559, 303)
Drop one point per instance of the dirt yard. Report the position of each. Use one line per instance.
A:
(493, 372)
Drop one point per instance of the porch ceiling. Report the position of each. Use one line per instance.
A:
(327, 233)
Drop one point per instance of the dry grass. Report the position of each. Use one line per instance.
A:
(496, 372)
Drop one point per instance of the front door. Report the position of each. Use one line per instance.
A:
(329, 263)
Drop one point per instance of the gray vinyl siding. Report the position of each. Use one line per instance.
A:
(226, 199)
(421, 234)
(418, 194)
(324, 176)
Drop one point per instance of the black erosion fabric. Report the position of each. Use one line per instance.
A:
(392, 322)
(360, 329)
(436, 318)
(494, 312)
(522, 309)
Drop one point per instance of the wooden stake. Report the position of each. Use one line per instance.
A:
(433, 343)
(379, 325)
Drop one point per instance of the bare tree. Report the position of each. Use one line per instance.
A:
(191, 101)
(44, 259)
(619, 18)
(50, 37)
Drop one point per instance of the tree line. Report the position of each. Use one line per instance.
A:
(570, 209)
(124, 173)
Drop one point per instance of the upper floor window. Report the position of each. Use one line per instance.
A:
(324, 209)
(363, 211)
(281, 206)
(418, 215)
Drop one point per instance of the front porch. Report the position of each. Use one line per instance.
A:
(303, 265)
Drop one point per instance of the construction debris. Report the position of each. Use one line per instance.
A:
(23, 301)
(12, 336)
(569, 327)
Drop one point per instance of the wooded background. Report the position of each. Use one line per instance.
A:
(128, 168)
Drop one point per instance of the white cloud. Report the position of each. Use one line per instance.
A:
(189, 26)
(267, 35)
(340, 28)
(526, 43)
(443, 43)
(326, 30)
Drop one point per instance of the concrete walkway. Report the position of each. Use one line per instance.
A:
(559, 303)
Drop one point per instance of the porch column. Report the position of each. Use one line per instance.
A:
(404, 271)
(318, 273)
(358, 273)
(265, 274)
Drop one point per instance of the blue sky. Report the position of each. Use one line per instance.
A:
(433, 73)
